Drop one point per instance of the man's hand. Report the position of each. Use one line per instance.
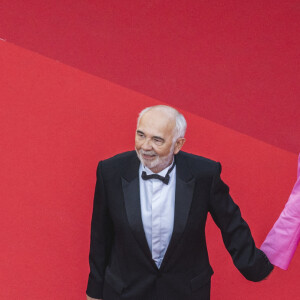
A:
(89, 298)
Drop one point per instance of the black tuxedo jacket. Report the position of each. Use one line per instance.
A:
(121, 266)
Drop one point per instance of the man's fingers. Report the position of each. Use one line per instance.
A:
(90, 298)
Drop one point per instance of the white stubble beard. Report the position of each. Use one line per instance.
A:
(159, 162)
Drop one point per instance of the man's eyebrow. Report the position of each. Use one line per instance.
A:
(154, 137)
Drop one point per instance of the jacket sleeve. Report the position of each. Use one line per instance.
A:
(282, 241)
(250, 261)
(101, 239)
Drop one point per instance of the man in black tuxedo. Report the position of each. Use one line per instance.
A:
(149, 215)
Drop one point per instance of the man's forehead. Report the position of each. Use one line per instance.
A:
(161, 117)
(156, 122)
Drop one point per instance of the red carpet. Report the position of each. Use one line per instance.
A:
(73, 77)
(57, 122)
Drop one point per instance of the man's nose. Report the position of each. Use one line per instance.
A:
(147, 145)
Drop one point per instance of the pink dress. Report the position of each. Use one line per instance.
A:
(281, 242)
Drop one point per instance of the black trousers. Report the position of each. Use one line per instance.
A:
(201, 294)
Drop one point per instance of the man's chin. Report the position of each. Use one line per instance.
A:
(153, 163)
(150, 164)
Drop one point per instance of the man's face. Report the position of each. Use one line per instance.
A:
(154, 140)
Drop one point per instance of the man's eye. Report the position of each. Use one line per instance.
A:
(158, 141)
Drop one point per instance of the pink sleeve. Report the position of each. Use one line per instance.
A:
(281, 242)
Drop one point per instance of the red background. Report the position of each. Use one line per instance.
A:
(73, 77)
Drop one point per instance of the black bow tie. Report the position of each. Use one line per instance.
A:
(165, 179)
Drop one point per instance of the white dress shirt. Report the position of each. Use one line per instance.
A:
(157, 209)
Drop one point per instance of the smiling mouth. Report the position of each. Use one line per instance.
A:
(148, 157)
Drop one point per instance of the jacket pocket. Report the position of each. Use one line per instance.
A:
(115, 282)
(201, 279)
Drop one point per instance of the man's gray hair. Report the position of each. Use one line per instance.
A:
(180, 126)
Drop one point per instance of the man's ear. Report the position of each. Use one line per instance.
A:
(178, 145)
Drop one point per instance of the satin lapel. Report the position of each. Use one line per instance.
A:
(131, 190)
(185, 184)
